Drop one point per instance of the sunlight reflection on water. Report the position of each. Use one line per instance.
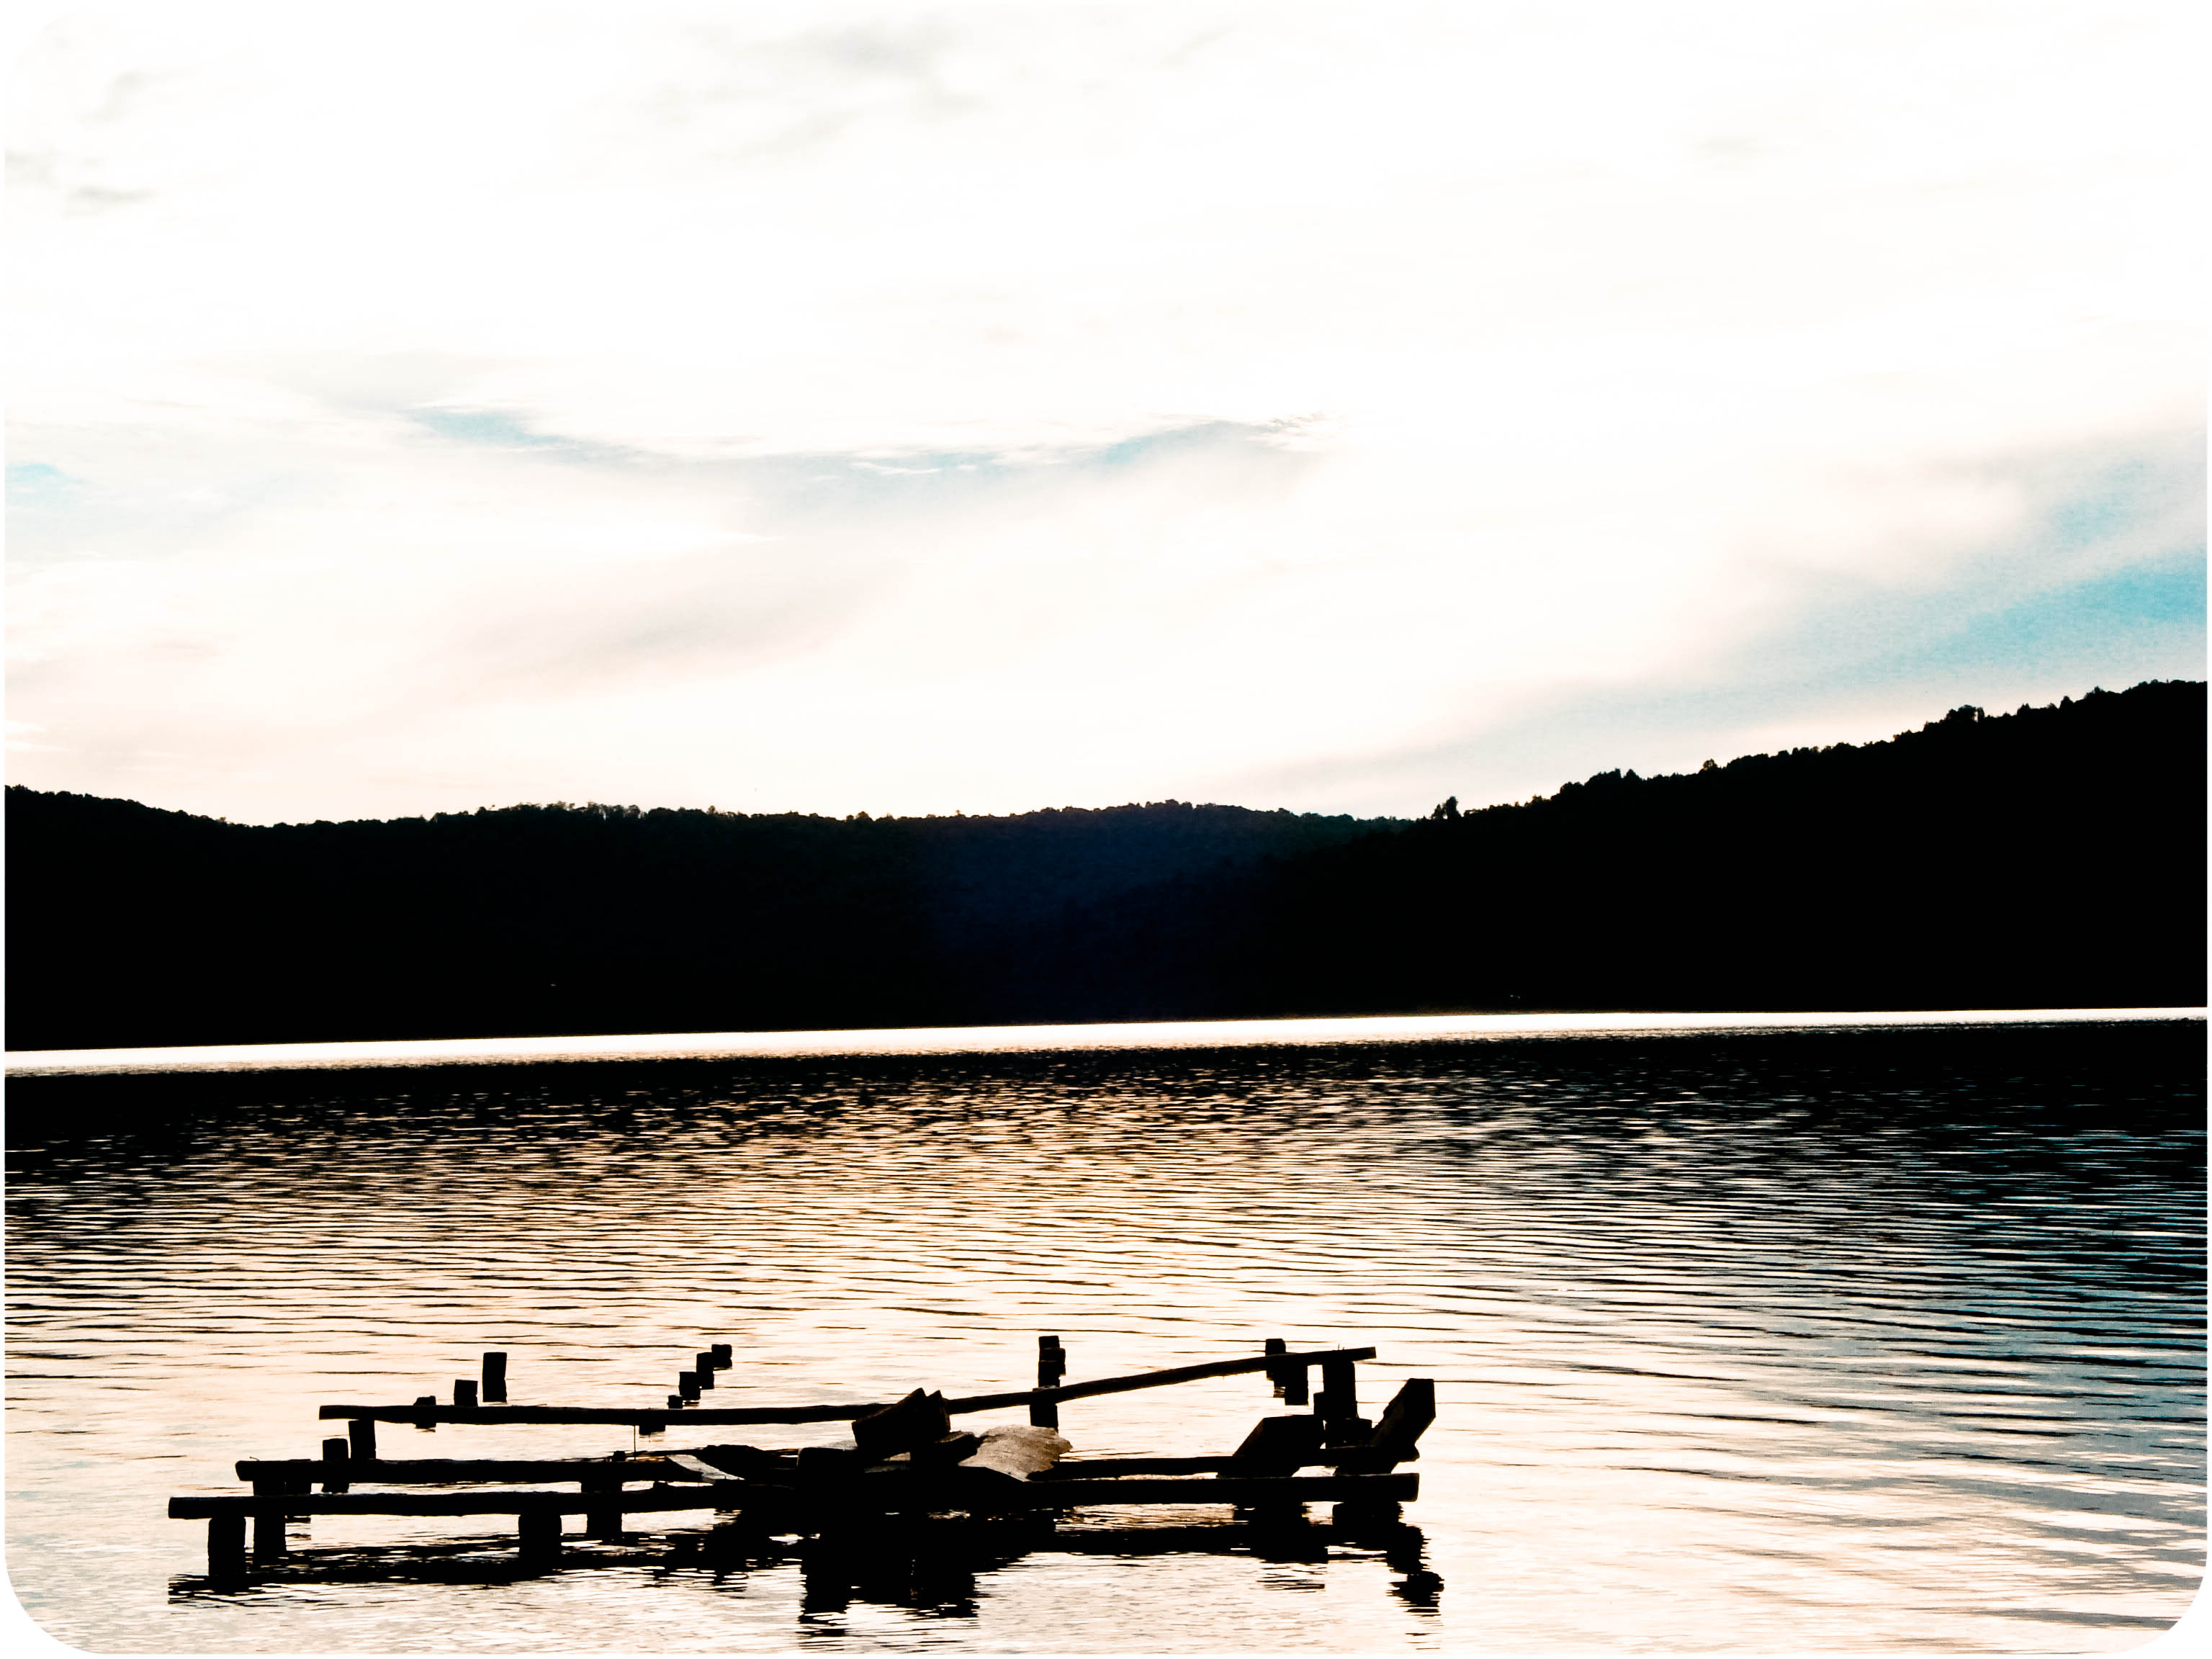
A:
(1761, 1339)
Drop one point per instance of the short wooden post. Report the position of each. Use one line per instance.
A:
(361, 1438)
(334, 1451)
(539, 1534)
(1339, 1391)
(268, 1532)
(464, 1392)
(426, 1404)
(1052, 1366)
(687, 1385)
(655, 1425)
(226, 1546)
(702, 1367)
(722, 1356)
(605, 1523)
(495, 1379)
(675, 1404)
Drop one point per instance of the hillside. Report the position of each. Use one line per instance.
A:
(132, 926)
(2050, 857)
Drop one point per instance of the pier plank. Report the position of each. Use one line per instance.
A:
(873, 1491)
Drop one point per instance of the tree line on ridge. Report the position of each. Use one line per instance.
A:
(2050, 857)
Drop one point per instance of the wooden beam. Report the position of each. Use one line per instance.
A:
(430, 1413)
(658, 1416)
(690, 1496)
(452, 1471)
(1083, 1469)
(986, 1402)
(898, 1491)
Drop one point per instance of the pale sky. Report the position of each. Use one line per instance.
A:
(912, 409)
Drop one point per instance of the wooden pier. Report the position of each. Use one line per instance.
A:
(908, 1460)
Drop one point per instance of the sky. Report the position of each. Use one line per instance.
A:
(916, 410)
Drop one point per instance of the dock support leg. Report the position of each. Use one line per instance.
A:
(226, 1547)
(334, 1451)
(1339, 1391)
(495, 1379)
(540, 1536)
(605, 1523)
(1337, 1405)
(268, 1536)
(361, 1440)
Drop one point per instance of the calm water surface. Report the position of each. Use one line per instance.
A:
(1873, 1339)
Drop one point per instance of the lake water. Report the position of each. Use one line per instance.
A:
(1857, 1336)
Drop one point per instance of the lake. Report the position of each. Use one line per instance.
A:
(1830, 1334)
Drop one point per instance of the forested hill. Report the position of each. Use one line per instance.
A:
(2053, 857)
(2050, 857)
(130, 926)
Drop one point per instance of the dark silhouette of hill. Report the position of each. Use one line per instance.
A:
(131, 926)
(2050, 857)
(2053, 857)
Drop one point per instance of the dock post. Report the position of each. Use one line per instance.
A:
(702, 1367)
(687, 1387)
(268, 1530)
(723, 1359)
(1052, 1366)
(604, 1523)
(226, 1546)
(361, 1437)
(539, 1534)
(334, 1451)
(495, 1379)
(1339, 1391)
(464, 1392)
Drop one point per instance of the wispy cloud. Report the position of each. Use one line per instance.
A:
(917, 410)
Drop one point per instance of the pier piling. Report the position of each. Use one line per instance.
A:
(495, 1379)
(334, 1451)
(226, 1546)
(604, 1523)
(539, 1536)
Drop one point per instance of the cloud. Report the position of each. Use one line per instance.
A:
(917, 410)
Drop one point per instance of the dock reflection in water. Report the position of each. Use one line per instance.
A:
(1854, 1339)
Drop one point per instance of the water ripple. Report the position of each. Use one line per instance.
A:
(1865, 1341)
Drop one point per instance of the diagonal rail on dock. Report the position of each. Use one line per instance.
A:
(421, 1413)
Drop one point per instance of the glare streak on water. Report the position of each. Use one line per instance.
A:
(1865, 1340)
